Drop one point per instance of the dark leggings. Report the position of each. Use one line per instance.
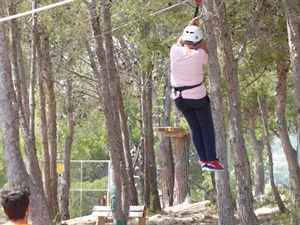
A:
(197, 112)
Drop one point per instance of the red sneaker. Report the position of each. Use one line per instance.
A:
(214, 165)
(203, 164)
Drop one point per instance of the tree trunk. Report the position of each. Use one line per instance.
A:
(26, 109)
(65, 177)
(166, 170)
(258, 147)
(150, 182)
(181, 169)
(115, 91)
(29, 132)
(16, 171)
(128, 160)
(242, 167)
(129, 166)
(52, 125)
(18, 67)
(264, 112)
(224, 198)
(290, 153)
(44, 131)
(164, 153)
(125, 132)
(108, 83)
(155, 202)
(291, 15)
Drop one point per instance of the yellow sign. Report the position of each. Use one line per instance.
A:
(59, 167)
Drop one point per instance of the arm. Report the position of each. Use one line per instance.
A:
(180, 41)
(203, 45)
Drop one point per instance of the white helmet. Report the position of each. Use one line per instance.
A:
(192, 33)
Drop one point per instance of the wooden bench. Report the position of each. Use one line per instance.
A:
(135, 211)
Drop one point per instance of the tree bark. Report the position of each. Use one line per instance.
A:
(129, 166)
(108, 83)
(16, 171)
(149, 154)
(44, 130)
(164, 153)
(147, 134)
(166, 170)
(115, 91)
(51, 125)
(18, 66)
(291, 15)
(264, 112)
(241, 164)
(65, 177)
(150, 181)
(28, 128)
(181, 169)
(258, 147)
(224, 198)
(289, 151)
(149, 144)
(26, 108)
(128, 159)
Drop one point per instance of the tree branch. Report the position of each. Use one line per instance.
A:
(249, 30)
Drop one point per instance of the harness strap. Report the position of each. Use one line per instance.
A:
(182, 88)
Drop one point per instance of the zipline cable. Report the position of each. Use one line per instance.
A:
(151, 14)
(35, 10)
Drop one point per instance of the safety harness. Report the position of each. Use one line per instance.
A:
(174, 90)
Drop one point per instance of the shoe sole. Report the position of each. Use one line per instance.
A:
(204, 168)
(214, 169)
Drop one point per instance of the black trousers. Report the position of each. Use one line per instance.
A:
(197, 112)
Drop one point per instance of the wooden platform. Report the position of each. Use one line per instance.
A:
(172, 131)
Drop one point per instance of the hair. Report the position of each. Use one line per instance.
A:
(15, 202)
(192, 45)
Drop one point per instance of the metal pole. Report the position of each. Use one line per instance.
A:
(80, 188)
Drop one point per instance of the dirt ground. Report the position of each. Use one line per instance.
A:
(202, 213)
(198, 213)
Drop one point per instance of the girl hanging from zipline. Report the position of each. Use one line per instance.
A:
(188, 57)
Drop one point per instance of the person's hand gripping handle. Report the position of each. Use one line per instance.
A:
(194, 21)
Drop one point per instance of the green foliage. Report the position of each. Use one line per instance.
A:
(84, 206)
(92, 196)
(199, 181)
(289, 217)
(96, 184)
(89, 141)
(148, 36)
(3, 176)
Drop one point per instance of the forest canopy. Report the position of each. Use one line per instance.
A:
(90, 80)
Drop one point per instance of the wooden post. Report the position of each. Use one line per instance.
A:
(101, 221)
(108, 198)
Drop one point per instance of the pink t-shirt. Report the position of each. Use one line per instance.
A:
(187, 70)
